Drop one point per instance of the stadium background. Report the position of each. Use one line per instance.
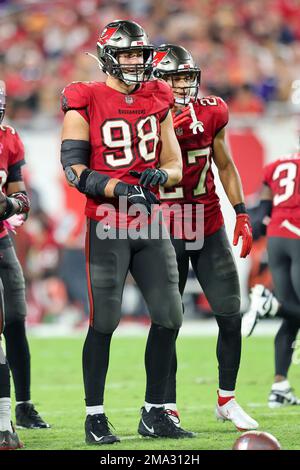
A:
(248, 57)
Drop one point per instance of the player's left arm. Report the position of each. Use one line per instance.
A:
(227, 170)
(232, 185)
(170, 156)
(169, 172)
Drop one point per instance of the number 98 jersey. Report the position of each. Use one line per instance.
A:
(124, 129)
(197, 185)
(283, 178)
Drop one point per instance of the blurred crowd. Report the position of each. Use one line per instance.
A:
(248, 50)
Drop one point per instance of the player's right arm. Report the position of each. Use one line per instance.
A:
(75, 128)
(76, 153)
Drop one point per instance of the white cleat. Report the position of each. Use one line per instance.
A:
(233, 412)
(262, 303)
(280, 398)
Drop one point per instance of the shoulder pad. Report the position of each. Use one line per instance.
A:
(75, 96)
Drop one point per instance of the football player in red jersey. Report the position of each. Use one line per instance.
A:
(278, 216)
(200, 128)
(9, 439)
(14, 207)
(110, 129)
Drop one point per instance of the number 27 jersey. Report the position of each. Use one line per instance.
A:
(197, 185)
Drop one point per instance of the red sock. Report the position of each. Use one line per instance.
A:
(223, 400)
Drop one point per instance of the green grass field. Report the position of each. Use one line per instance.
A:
(57, 392)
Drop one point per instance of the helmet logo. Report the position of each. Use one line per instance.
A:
(106, 35)
(158, 57)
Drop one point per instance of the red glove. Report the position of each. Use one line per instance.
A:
(243, 229)
(180, 117)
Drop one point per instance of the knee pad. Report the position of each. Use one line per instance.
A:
(14, 299)
(106, 317)
(228, 306)
(172, 323)
(169, 312)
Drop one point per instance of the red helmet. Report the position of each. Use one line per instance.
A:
(170, 61)
(125, 36)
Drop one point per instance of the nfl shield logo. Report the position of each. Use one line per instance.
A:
(129, 99)
(179, 131)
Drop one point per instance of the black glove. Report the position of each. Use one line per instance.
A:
(150, 177)
(136, 195)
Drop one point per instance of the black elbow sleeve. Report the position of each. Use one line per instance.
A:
(15, 172)
(75, 152)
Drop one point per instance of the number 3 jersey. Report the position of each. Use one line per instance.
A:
(124, 130)
(11, 156)
(210, 115)
(283, 178)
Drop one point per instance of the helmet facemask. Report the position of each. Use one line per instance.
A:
(129, 73)
(185, 85)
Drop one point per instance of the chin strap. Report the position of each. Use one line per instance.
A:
(96, 59)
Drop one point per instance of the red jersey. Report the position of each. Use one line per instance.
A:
(11, 155)
(124, 131)
(283, 178)
(197, 185)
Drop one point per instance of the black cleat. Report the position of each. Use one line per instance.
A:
(27, 417)
(157, 423)
(10, 440)
(97, 430)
